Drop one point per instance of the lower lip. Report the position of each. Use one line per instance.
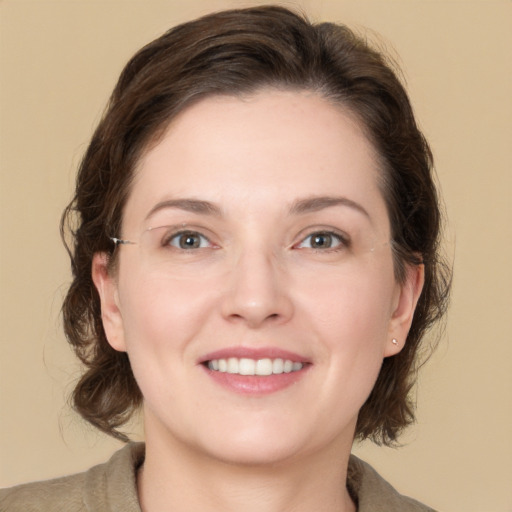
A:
(256, 385)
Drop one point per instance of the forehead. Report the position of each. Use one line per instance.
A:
(268, 147)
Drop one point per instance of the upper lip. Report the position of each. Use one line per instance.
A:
(253, 353)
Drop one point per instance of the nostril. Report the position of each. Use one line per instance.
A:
(256, 299)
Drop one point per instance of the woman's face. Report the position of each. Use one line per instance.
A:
(257, 321)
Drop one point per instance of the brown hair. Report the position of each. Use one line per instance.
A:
(238, 52)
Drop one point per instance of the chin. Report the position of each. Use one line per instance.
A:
(256, 453)
(251, 443)
(268, 443)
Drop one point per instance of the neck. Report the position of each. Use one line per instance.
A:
(174, 473)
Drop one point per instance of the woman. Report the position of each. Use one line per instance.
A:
(255, 264)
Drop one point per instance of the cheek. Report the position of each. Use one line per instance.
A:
(163, 319)
(163, 313)
(354, 305)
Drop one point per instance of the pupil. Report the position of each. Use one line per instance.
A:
(320, 241)
(189, 241)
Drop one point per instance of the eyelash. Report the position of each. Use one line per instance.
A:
(341, 241)
(167, 241)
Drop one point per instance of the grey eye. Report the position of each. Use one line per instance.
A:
(321, 240)
(189, 240)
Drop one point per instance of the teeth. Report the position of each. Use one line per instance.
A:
(261, 367)
(264, 367)
(247, 367)
(278, 366)
(233, 365)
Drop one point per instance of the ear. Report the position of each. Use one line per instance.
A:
(405, 304)
(107, 289)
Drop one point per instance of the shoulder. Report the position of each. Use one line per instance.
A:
(374, 493)
(109, 486)
(66, 493)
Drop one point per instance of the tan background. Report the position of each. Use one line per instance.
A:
(59, 62)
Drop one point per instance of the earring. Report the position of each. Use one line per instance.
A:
(394, 341)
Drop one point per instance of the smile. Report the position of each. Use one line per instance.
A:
(259, 367)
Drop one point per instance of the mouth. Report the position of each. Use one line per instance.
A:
(258, 367)
(255, 372)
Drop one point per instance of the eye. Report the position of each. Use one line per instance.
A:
(322, 240)
(188, 240)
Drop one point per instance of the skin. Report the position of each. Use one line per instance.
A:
(256, 282)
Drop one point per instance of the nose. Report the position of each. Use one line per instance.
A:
(256, 291)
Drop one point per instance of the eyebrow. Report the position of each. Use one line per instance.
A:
(314, 204)
(299, 207)
(189, 205)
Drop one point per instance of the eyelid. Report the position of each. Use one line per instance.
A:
(176, 236)
(341, 236)
(172, 231)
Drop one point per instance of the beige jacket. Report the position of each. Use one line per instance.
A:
(111, 487)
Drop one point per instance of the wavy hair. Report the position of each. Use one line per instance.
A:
(238, 52)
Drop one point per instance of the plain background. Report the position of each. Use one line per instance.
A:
(59, 62)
